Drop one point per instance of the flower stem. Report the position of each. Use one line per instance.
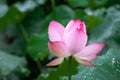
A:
(70, 67)
(39, 65)
(53, 4)
(25, 34)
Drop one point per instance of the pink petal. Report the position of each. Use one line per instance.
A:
(55, 31)
(90, 50)
(76, 40)
(75, 24)
(83, 27)
(84, 62)
(71, 26)
(59, 49)
(68, 30)
(88, 58)
(55, 62)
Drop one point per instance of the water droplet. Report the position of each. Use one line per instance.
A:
(117, 70)
(85, 76)
(113, 61)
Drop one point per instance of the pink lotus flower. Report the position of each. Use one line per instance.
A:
(71, 41)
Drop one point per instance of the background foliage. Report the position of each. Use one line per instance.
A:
(23, 38)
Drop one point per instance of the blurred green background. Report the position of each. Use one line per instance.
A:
(23, 38)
